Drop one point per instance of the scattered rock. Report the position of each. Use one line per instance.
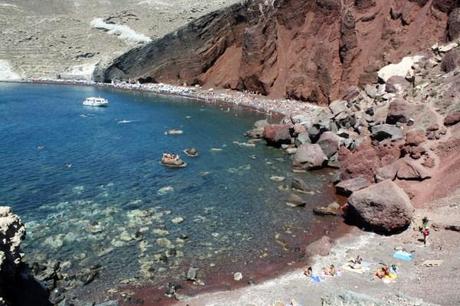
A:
(192, 274)
(299, 184)
(238, 276)
(396, 84)
(309, 156)
(454, 24)
(177, 220)
(415, 137)
(398, 111)
(332, 209)
(295, 201)
(408, 170)
(385, 131)
(277, 134)
(347, 187)
(329, 143)
(451, 60)
(383, 207)
(452, 118)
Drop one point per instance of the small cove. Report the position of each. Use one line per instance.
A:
(88, 184)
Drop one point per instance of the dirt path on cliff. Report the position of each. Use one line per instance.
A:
(417, 284)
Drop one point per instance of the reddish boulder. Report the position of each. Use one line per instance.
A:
(309, 156)
(347, 187)
(321, 247)
(277, 134)
(383, 208)
(415, 137)
(452, 119)
(410, 171)
(361, 162)
(398, 111)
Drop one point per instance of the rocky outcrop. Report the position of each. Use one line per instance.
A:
(12, 232)
(17, 286)
(307, 50)
(383, 207)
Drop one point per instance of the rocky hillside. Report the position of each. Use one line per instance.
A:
(66, 38)
(308, 50)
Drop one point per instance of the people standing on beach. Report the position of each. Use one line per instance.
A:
(425, 229)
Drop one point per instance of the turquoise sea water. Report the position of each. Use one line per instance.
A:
(88, 184)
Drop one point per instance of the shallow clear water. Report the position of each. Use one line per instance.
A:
(88, 183)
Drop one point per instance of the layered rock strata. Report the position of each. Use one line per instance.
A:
(307, 50)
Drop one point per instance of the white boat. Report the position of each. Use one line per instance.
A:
(93, 101)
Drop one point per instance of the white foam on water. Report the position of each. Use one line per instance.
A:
(123, 32)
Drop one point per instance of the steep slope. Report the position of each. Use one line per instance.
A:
(59, 38)
(309, 50)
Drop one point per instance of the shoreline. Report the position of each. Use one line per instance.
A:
(258, 103)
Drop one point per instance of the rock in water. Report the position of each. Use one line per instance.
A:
(277, 134)
(192, 274)
(383, 208)
(295, 201)
(309, 156)
(238, 276)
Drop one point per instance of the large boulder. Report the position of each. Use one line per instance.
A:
(329, 143)
(402, 169)
(277, 134)
(309, 156)
(383, 208)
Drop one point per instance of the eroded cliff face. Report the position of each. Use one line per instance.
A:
(310, 50)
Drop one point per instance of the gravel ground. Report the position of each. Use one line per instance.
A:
(416, 284)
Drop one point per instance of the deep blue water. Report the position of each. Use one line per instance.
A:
(86, 181)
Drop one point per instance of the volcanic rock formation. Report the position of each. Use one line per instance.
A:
(309, 50)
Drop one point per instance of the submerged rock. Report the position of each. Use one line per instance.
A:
(295, 201)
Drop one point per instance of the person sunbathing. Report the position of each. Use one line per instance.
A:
(331, 271)
(382, 272)
(308, 272)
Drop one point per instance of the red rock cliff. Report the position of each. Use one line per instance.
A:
(310, 50)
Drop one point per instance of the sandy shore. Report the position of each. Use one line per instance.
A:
(417, 284)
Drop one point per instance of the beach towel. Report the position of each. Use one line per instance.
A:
(402, 255)
(315, 278)
(356, 269)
